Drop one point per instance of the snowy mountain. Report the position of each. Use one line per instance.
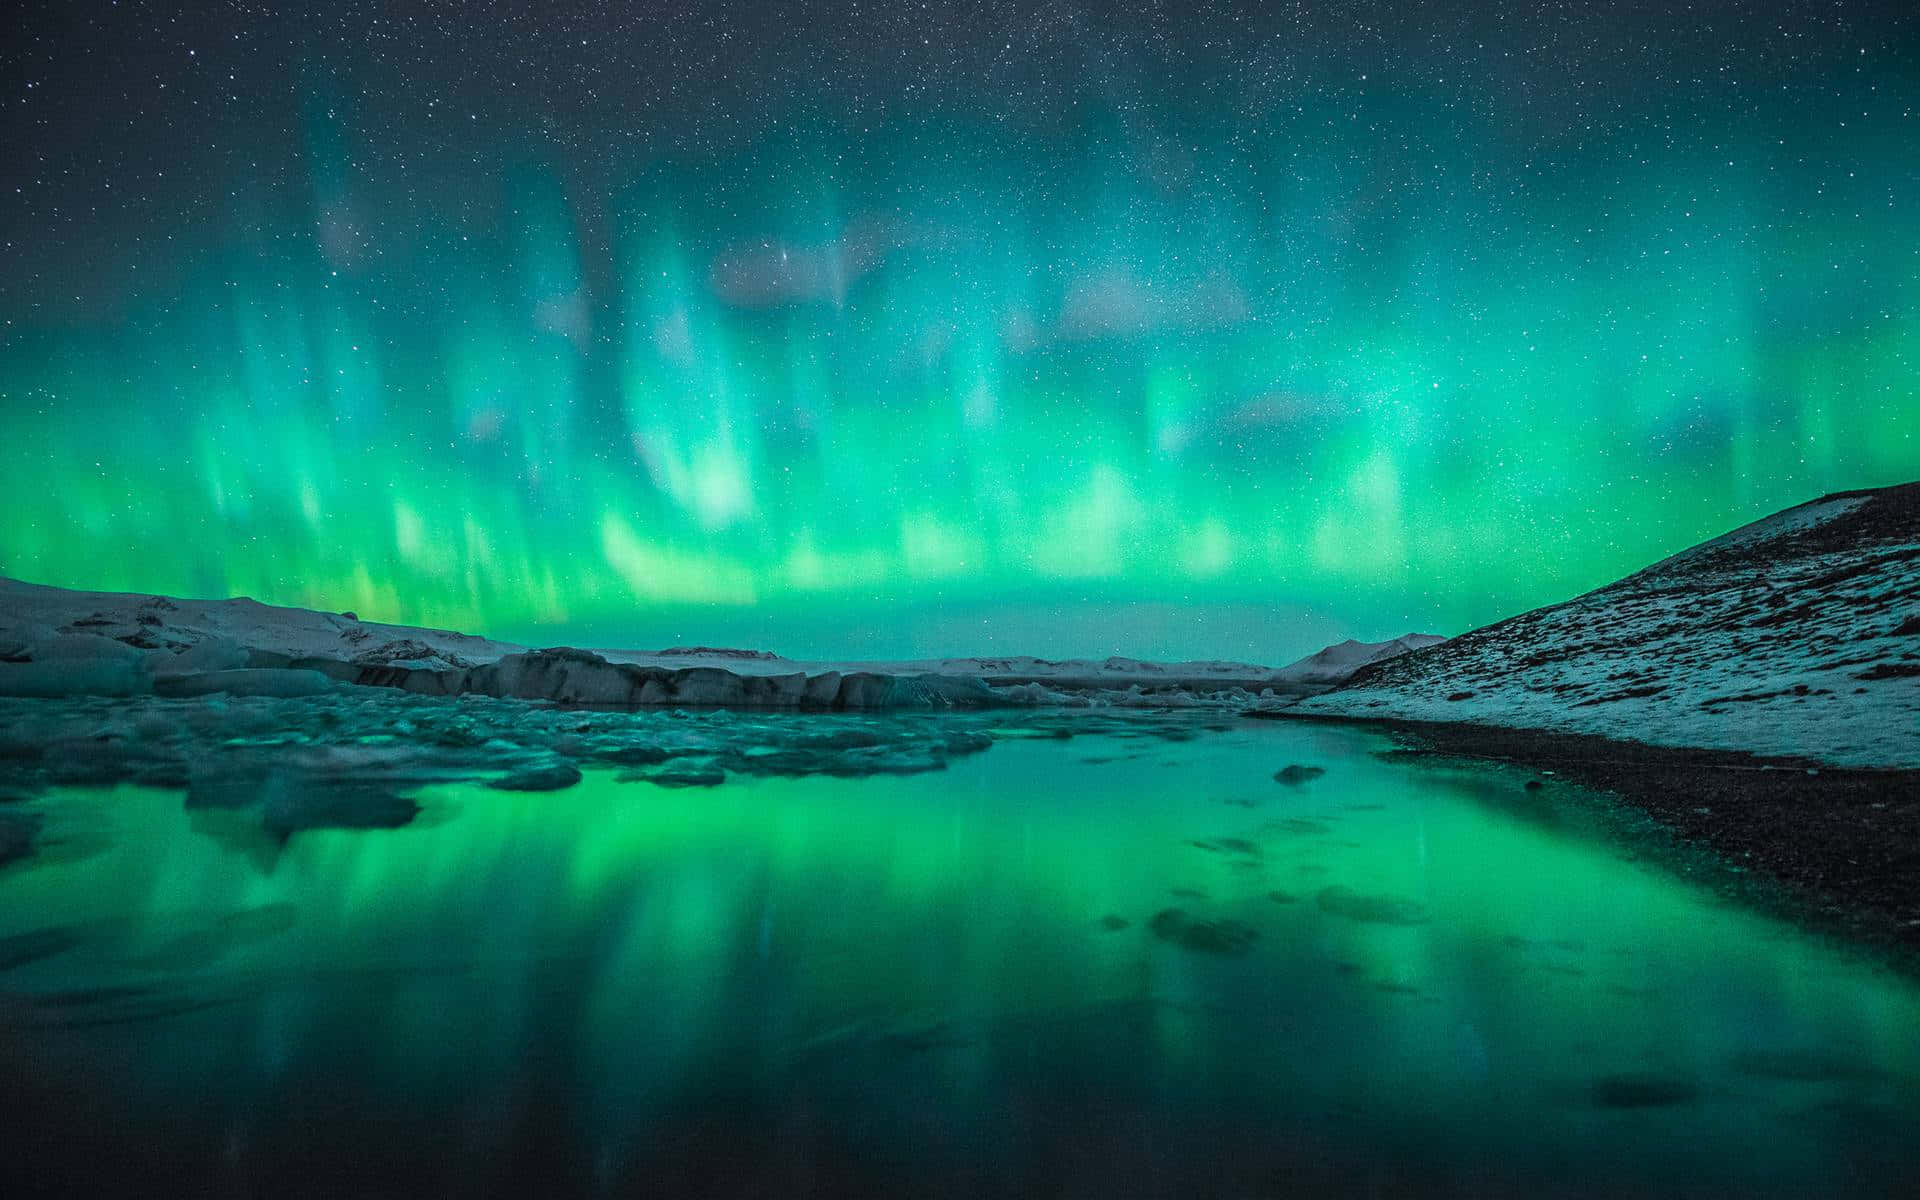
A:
(1337, 663)
(1798, 634)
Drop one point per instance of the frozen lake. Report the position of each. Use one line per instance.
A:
(1124, 961)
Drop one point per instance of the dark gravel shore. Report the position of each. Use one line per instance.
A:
(1846, 842)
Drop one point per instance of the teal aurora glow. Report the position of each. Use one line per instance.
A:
(1080, 339)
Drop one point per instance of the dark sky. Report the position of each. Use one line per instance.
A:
(1369, 316)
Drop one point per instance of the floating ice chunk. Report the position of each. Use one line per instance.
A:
(74, 664)
(822, 690)
(260, 681)
(212, 654)
(351, 756)
(76, 677)
(83, 647)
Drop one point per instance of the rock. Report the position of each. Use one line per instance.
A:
(410, 652)
(1294, 774)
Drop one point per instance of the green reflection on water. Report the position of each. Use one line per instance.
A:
(1447, 969)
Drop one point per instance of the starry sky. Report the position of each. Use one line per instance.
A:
(855, 329)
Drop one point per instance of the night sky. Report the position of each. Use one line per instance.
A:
(888, 329)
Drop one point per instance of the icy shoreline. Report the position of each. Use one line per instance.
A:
(1797, 635)
(55, 642)
(355, 758)
(1841, 839)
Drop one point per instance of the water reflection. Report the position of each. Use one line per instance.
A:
(1054, 967)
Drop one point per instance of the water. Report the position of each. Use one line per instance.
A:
(1124, 963)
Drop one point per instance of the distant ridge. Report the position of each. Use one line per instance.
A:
(59, 642)
(1338, 662)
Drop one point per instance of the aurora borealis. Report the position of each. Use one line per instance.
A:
(849, 330)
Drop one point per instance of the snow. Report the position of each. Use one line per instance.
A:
(1785, 523)
(1797, 635)
(164, 623)
(125, 644)
(1337, 662)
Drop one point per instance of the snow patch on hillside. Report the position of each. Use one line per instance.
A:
(1796, 635)
(1785, 523)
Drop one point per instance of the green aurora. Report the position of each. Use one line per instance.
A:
(1170, 371)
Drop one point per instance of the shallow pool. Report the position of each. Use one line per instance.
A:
(1128, 962)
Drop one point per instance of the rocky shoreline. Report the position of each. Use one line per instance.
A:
(1845, 842)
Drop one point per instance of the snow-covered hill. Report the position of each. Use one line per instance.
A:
(1797, 635)
(58, 642)
(30, 612)
(1338, 663)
